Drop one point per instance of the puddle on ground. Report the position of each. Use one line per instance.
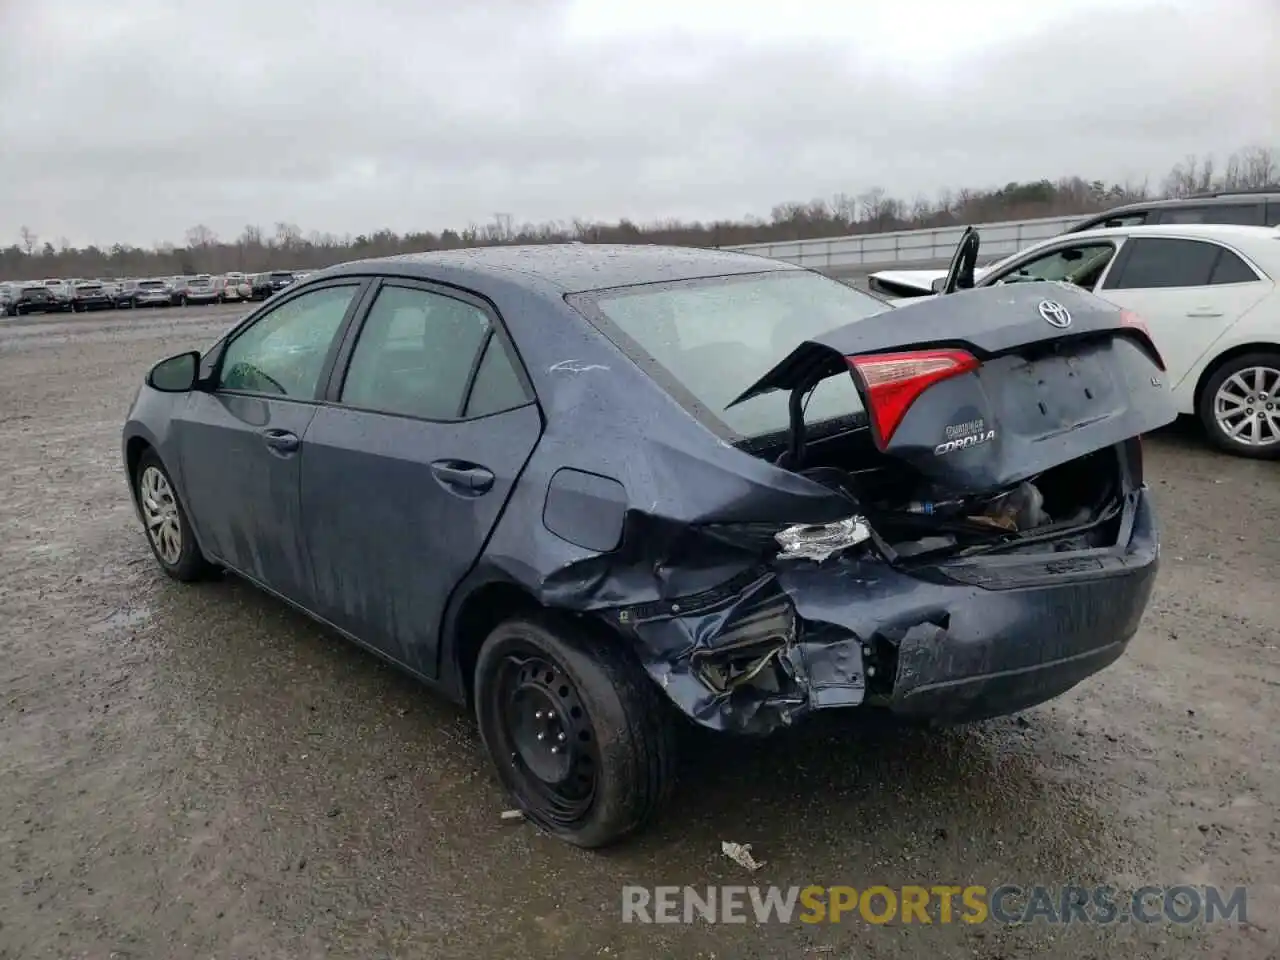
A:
(124, 619)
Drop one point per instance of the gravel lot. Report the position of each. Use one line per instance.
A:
(199, 771)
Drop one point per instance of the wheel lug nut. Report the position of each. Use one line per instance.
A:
(542, 736)
(555, 749)
(538, 715)
(561, 737)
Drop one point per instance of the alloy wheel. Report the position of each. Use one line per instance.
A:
(1246, 407)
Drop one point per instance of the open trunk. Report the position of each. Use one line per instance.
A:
(1002, 418)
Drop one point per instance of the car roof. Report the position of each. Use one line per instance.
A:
(1225, 198)
(574, 267)
(1225, 232)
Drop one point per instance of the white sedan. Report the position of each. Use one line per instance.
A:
(1207, 291)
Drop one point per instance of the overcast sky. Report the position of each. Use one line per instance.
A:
(132, 120)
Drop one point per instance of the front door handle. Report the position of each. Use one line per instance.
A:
(1205, 312)
(281, 441)
(463, 477)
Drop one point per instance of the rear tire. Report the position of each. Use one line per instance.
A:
(579, 734)
(165, 522)
(1243, 395)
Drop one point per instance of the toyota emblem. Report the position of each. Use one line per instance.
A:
(1055, 314)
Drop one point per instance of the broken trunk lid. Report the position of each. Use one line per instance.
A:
(983, 389)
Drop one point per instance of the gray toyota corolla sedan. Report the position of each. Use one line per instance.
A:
(590, 489)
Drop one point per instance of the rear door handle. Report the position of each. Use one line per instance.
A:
(463, 477)
(1204, 312)
(281, 441)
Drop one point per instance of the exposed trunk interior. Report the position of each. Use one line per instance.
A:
(1072, 506)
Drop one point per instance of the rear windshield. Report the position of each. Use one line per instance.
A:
(281, 275)
(151, 284)
(712, 338)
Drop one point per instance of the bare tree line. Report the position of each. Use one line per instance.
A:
(873, 211)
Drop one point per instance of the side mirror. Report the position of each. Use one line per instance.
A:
(176, 374)
(938, 284)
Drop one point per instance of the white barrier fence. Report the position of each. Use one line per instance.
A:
(905, 247)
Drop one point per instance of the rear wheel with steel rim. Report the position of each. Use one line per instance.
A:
(165, 521)
(1240, 406)
(577, 730)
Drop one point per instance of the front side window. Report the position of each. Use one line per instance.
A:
(1155, 262)
(283, 353)
(714, 337)
(1081, 264)
(415, 354)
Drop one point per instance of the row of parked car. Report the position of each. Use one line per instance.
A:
(77, 295)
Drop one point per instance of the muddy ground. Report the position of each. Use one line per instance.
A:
(198, 771)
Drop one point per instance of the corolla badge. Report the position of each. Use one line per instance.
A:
(1055, 314)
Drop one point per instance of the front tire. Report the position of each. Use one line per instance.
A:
(165, 521)
(1240, 406)
(578, 732)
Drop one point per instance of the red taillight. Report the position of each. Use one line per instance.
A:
(895, 380)
(1130, 319)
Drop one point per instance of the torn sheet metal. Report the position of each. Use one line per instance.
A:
(807, 541)
(749, 664)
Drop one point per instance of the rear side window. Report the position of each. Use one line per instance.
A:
(1245, 214)
(1158, 262)
(1273, 214)
(416, 355)
(1231, 269)
(497, 386)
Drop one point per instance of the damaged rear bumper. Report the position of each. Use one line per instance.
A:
(951, 643)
